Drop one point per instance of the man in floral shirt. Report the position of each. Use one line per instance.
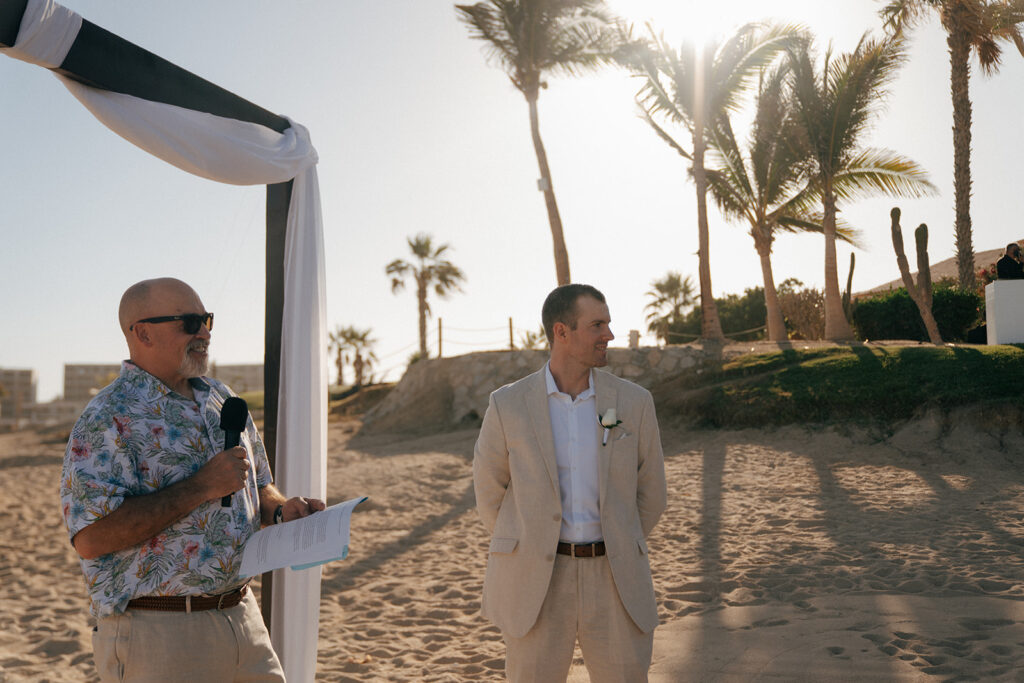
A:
(144, 475)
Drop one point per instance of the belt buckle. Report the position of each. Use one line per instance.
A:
(223, 596)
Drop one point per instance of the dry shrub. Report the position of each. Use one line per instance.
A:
(803, 309)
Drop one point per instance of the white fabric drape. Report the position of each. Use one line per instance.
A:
(302, 421)
(241, 153)
(46, 33)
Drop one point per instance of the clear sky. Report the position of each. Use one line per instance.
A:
(417, 133)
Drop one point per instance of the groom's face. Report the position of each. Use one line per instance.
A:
(588, 343)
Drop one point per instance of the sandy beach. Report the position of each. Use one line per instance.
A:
(794, 554)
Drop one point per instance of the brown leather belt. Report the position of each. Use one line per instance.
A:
(581, 549)
(189, 603)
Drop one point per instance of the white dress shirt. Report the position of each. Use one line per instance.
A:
(573, 425)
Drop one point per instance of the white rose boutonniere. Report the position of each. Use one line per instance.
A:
(609, 423)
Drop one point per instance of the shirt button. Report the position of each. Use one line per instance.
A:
(557, 518)
(550, 557)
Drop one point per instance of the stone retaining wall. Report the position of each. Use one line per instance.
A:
(447, 393)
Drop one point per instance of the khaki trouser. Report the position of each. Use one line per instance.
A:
(582, 602)
(212, 646)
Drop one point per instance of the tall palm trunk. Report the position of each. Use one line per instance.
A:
(773, 317)
(710, 325)
(836, 326)
(557, 237)
(358, 366)
(959, 79)
(421, 300)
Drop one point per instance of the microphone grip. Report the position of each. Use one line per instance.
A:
(231, 439)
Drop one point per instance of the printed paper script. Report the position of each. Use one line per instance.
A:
(302, 543)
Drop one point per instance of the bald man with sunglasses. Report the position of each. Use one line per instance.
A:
(144, 474)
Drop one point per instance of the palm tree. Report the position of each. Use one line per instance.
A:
(531, 339)
(429, 269)
(359, 342)
(766, 184)
(337, 344)
(834, 107)
(694, 87)
(975, 26)
(669, 297)
(363, 356)
(531, 39)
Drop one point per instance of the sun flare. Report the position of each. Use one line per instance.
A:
(692, 21)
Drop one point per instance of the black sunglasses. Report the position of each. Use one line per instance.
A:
(190, 321)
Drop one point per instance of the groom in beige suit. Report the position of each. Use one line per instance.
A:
(570, 480)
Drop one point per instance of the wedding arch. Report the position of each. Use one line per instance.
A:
(210, 132)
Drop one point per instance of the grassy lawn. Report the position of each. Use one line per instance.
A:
(858, 383)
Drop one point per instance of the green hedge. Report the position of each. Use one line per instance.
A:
(854, 383)
(742, 317)
(894, 315)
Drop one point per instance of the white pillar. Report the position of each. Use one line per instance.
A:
(1004, 311)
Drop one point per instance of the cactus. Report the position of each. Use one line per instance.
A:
(921, 292)
(924, 270)
(847, 296)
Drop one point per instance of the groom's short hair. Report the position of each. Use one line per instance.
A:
(560, 307)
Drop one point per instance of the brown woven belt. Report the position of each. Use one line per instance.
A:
(189, 603)
(581, 549)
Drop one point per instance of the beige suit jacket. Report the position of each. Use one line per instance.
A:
(515, 477)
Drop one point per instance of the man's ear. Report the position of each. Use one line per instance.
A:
(559, 330)
(141, 335)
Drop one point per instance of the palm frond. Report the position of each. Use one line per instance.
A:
(726, 171)
(835, 106)
(858, 81)
(661, 133)
(813, 223)
(730, 199)
(531, 38)
(494, 24)
(1006, 22)
(900, 16)
(668, 87)
(740, 58)
(878, 171)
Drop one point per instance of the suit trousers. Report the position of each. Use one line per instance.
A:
(213, 646)
(581, 603)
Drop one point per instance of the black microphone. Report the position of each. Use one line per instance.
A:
(233, 416)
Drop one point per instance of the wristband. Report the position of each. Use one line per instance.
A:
(279, 514)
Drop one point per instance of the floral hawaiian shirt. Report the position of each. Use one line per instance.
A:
(138, 436)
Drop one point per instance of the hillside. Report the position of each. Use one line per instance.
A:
(940, 270)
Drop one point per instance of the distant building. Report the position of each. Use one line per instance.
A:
(83, 380)
(241, 378)
(17, 397)
(55, 412)
(18, 407)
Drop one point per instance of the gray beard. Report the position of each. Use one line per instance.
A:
(191, 367)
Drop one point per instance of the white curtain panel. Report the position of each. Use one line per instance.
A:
(240, 153)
